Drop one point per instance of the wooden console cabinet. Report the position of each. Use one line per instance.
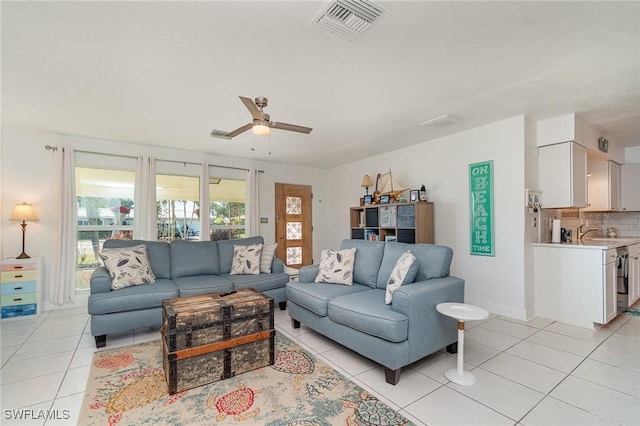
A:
(402, 222)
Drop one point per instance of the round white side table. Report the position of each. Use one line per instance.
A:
(461, 312)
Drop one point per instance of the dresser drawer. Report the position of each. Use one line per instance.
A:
(19, 267)
(18, 299)
(19, 310)
(16, 276)
(19, 288)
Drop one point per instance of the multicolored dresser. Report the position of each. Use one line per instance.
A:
(21, 288)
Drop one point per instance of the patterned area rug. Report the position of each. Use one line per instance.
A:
(127, 386)
(632, 311)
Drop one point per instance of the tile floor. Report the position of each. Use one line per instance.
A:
(528, 373)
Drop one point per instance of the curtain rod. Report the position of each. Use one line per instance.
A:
(55, 148)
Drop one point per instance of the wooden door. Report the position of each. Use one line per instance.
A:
(293, 224)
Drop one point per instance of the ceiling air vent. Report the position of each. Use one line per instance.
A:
(349, 18)
(442, 121)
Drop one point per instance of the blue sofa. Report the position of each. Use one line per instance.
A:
(182, 268)
(357, 317)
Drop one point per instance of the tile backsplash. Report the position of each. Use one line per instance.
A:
(627, 224)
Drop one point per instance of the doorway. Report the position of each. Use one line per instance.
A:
(294, 230)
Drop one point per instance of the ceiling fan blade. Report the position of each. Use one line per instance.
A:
(239, 130)
(253, 109)
(291, 127)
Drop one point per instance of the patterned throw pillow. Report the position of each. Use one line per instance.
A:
(266, 258)
(400, 275)
(246, 259)
(336, 266)
(128, 266)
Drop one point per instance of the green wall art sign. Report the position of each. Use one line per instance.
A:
(481, 201)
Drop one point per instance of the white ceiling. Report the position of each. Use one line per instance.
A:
(167, 73)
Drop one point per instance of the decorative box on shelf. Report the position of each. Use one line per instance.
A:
(21, 288)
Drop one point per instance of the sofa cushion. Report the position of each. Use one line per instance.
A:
(367, 312)
(202, 284)
(316, 296)
(189, 258)
(404, 272)
(433, 261)
(368, 259)
(261, 282)
(336, 266)
(392, 253)
(158, 252)
(132, 298)
(225, 250)
(128, 266)
(266, 258)
(246, 259)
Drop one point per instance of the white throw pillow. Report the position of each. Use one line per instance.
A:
(266, 258)
(246, 259)
(128, 266)
(399, 274)
(336, 266)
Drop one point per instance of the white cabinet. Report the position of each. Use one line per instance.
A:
(634, 273)
(604, 186)
(575, 285)
(563, 175)
(630, 187)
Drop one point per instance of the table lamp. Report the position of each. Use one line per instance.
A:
(23, 212)
(366, 182)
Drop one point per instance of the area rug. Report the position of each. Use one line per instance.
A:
(631, 311)
(127, 386)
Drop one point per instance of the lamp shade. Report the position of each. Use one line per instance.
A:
(366, 181)
(23, 212)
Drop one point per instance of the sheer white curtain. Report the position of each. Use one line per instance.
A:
(144, 200)
(205, 232)
(252, 208)
(62, 277)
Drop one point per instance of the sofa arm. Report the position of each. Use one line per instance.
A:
(418, 302)
(308, 273)
(277, 266)
(100, 281)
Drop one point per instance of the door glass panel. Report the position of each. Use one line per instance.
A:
(294, 205)
(294, 230)
(177, 205)
(294, 255)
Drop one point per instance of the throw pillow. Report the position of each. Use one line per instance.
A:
(246, 259)
(336, 266)
(400, 275)
(266, 258)
(128, 266)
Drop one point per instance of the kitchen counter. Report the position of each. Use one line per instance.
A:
(602, 243)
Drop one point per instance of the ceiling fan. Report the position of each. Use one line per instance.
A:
(261, 123)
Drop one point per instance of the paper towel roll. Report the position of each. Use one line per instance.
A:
(555, 231)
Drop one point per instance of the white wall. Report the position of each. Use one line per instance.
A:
(495, 283)
(26, 170)
(632, 155)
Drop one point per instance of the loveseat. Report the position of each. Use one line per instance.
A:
(181, 268)
(356, 316)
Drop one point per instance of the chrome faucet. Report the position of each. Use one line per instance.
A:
(582, 234)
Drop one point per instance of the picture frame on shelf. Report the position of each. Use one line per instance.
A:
(414, 194)
(368, 199)
(390, 238)
(384, 199)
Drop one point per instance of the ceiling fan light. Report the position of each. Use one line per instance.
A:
(260, 129)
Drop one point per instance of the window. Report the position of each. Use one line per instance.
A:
(177, 203)
(105, 210)
(227, 208)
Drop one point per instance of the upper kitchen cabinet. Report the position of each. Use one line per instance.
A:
(563, 175)
(604, 186)
(630, 184)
